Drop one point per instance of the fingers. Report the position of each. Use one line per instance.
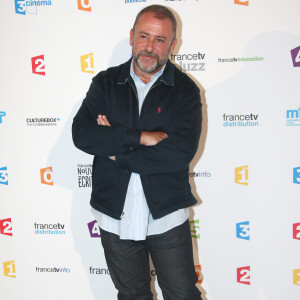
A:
(102, 120)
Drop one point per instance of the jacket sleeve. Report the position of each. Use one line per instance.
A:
(173, 153)
(93, 139)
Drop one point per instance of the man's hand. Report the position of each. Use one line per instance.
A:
(149, 138)
(102, 120)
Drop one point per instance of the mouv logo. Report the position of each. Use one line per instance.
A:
(241, 175)
(46, 176)
(293, 117)
(84, 5)
(23, 7)
(296, 56)
(242, 2)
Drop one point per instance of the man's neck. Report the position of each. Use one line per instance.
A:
(144, 76)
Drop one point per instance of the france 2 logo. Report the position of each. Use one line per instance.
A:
(296, 231)
(6, 227)
(38, 65)
(243, 230)
(243, 275)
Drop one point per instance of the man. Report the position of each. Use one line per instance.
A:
(142, 121)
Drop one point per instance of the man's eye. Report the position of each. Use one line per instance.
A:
(160, 41)
(143, 37)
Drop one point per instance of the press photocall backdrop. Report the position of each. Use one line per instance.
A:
(244, 56)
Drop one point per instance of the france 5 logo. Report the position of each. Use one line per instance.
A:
(9, 269)
(243, 230)
(243, 275)
(94, 229)
(195, 229)
(296, 175)
(6, 227)
(3, 176)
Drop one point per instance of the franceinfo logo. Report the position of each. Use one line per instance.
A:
(189, 62)
(200, 174)
(247, 120)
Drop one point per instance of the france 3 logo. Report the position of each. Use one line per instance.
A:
(295, 53)
(241, 175)
(94, 229)
(6, 227)
(243, 230)
(296, 175)
(84, 5)
(23, 7)
(243, 275)
(87, 63)
(47, 176)
(9, 269)
(242, 2)
(3, 176)
(38, 65)
(2, 114)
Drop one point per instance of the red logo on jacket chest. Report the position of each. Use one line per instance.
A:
(159, 110)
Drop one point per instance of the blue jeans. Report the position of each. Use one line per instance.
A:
(172, 256)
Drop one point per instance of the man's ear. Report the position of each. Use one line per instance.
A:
(173, 45)
(131, 37)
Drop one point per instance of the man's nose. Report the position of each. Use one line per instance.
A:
(150, 45)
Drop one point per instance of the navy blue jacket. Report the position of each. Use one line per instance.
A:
(172, 105)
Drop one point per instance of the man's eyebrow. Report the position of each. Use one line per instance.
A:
(157, 36)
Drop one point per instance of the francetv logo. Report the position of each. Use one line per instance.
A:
(293, 117)
(247, 120)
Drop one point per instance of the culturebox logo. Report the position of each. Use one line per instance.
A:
(296, 175)
(84, 5)
(195, 229)
(2, 114)
(38, 65)
(247, 120)
(293, 117)
(296, 231)
(46, 176)
(52, 270)
(23, 7)
(296, 276)
(3, 176)
(243, 275)
(87, 63)
(243, 230)
(242, 2)
(94, 229)
(189, 62)
(99, 271)
(6, 227)
(42, 121)
(296, 56)
(200, 174)
(84, 175)
(9, 269)
(241, 175)
(50, 229)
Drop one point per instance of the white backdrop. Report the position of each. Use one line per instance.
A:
(245, 57)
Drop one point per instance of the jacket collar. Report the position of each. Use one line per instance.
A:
(167, 77)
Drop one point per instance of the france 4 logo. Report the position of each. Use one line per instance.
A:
(2, 114)
(94, 229)
(295, 53)
(296, 175)
(23, 7)
(9, 269)
(3, 176)
(243, 230)
(243, 275)
(6, 227)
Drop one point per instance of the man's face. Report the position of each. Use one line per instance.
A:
(152, 42)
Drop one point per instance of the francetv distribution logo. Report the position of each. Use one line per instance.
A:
(50, 229)
(23, 7)
(190, 62)
(247, 120)
(293, 117)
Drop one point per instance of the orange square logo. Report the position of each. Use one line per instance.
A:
(84, 5)
(46, 176)
(242, 2)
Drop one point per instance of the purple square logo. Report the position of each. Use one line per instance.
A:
(94, 229)
(296, 56)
